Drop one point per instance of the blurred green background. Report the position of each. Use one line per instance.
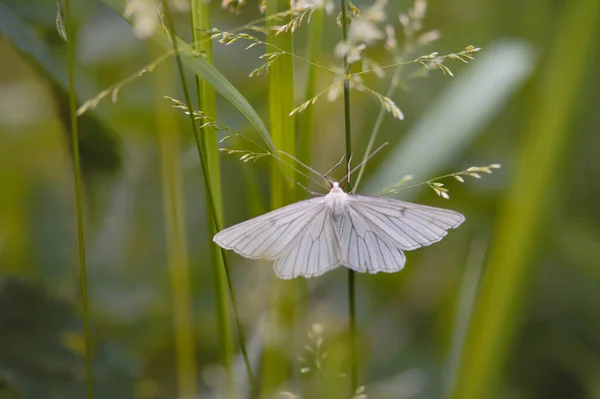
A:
(507, 306)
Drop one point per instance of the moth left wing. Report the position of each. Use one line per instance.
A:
(269, 235)
(314, 253)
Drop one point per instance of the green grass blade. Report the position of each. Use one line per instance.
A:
(208, 72)
(206, 99)
(208, 187)
(71, 42)
(305, 118)
(547, 138)
(466, 297)
(276, 359)
(174, 213)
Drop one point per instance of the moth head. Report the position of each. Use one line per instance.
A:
(335, 188)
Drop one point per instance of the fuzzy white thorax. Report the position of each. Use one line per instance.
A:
(336, 194)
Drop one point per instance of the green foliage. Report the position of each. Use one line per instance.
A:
(99, 144)
(505, 306)
(42, 346)
(504, 282)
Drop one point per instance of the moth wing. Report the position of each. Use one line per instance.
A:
(316, 252)
(410, 225)
(377, 231)
(365, 249)
(269, 235)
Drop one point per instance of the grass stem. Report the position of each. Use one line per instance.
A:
(209, 190)
(79, 199)
(351, 276)
(305, 120)
(277, 364)
(169, 150)
(205, 95)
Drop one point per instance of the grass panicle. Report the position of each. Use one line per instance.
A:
(436, 185)
(113, 91)
(199, 66)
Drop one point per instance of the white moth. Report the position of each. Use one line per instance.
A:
(363, 233)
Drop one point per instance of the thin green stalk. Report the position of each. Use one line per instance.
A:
(205, 95)
(79, 199)
(276, 364)
(177, 248)
(304, 140)
(209, 190)
(504, 280)
(351, 277)
(305, 120)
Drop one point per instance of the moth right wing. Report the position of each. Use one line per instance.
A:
(269, 235)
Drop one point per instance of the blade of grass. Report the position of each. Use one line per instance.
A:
(305, 118)
(276, 359)
(465, 300)
(304, 142)
(177, 247)
(351, 276)
(208, 187)
(504, 280)
(207, 71)
(205, 95)
(79, 198)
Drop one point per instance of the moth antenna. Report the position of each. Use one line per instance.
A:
(300, 162)
(332, 169)
(363, 162)
(304, 187)
(304, 165)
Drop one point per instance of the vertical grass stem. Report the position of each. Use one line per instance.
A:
(79, 199)
(210, 196)
(351, 277)
(205, 95)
